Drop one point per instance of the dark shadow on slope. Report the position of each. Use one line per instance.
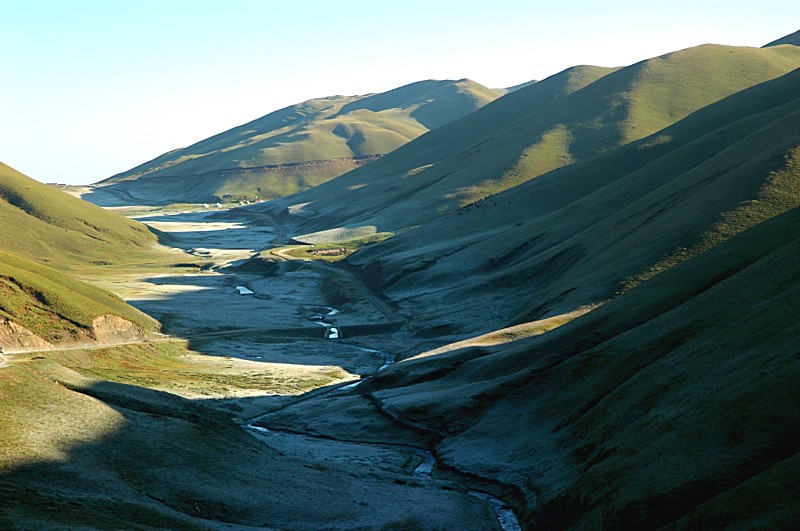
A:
(174, 463)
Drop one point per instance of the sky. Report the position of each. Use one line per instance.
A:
(91, 88)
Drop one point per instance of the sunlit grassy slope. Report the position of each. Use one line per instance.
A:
(572, 117)
(41, 225)
(54, 306)
(40, 222)
(302, 145)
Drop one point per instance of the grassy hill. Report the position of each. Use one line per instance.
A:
(48, 225)
(672, 405)
(300, 146)
(792, 39)
(623, 243)
(58, 308)
(41, 225)
(585, 232)
(667, 400)
(572, 117)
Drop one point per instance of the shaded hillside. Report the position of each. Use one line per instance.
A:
(674, 404)
(40, 222)
(793, 39)
(671, 401)
(300, 146)
(572, 117)
(580, 234)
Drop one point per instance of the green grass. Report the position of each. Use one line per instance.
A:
(672, 403)
(574, 116)
(578, 234)
(46, 235)
(170, 366)
(332, 129)
(49, 225)
(335, 251)
(779, 193)
(78, 452)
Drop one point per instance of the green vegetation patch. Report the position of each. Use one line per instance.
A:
(170, 366)
(45, 224)
(335, 252)
(301, 146)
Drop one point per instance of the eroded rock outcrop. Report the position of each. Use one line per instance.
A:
(113, 329)
(15, 336)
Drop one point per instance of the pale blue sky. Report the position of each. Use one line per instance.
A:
(91, 88)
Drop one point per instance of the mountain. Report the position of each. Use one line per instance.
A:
(616, 339)
(672, 405)
(580, 234)
(40, 304)
(40, 307)
(515, 87)
(300, 146)
(569, 118)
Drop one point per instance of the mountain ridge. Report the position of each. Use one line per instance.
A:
(544, 227)
(336, 128)
(436, 174)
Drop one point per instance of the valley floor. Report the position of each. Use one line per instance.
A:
(147, 436)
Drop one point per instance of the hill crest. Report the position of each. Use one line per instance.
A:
(341, 129)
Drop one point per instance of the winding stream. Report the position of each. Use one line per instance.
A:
(392, 456)
(505, 514)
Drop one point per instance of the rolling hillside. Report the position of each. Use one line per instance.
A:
(569, 118)
(667, 396)
(581, 234)
(300, 146)
(793, 39)
(45, 224)
(40, 305)
(672, 405)
(599, 280)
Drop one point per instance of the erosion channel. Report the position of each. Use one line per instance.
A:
(248, 299)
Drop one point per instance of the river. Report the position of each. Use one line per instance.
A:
(506, 516)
